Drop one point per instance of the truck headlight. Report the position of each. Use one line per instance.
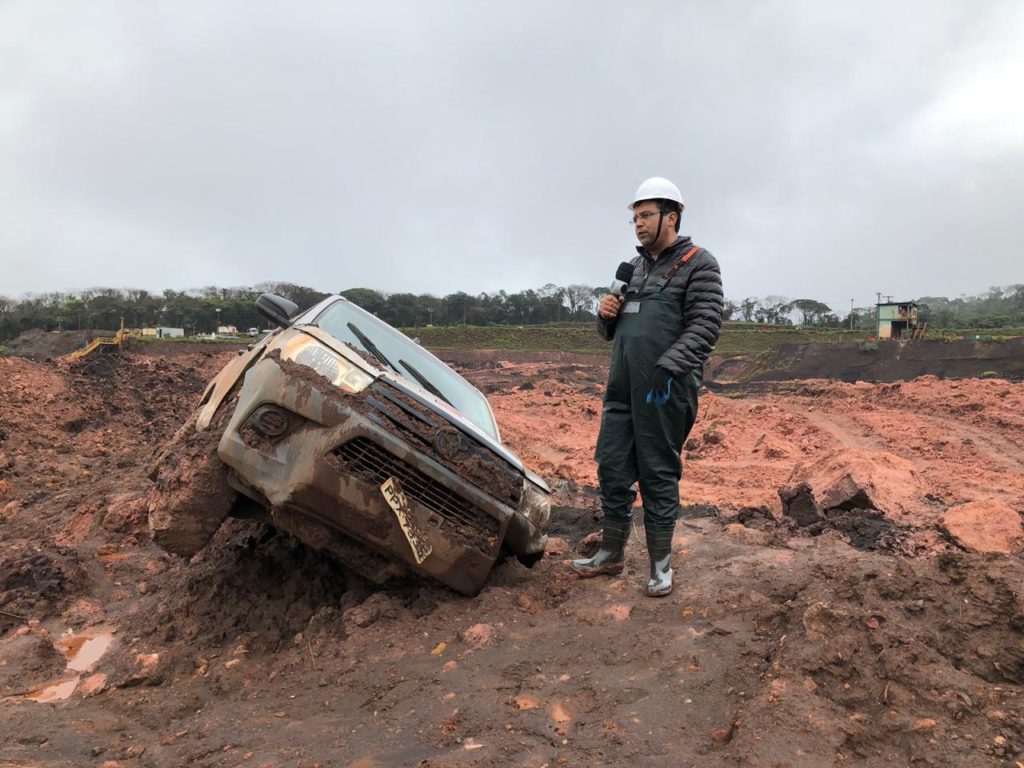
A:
(535, 506)
(332, 366)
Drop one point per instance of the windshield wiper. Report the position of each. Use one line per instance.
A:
(425, 382)
(372, 348)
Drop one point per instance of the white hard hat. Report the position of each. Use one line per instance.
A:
(657, 188)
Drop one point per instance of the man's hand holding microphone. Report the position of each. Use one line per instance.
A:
(610, 306)
(612, 302)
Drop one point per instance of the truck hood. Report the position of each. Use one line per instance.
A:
(418, 393)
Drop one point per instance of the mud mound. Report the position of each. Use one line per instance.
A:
(35, 581)
(30, 658)
(254, 586)
(483, 359)
(36, 344)
(882, 361)
(896, 653)
(852, 479)
(62, 421)
(555, 380)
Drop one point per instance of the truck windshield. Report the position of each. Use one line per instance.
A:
(353, 325)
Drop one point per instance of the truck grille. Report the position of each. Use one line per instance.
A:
(421, 428)
(470, 524)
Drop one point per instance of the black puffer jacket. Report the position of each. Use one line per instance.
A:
(698, 286)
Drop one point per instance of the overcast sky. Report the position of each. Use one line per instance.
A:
(826, 150)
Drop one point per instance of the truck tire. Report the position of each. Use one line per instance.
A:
(191, 496)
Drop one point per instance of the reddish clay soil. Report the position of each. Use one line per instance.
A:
(883, 632)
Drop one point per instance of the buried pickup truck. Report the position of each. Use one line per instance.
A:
(345, 433)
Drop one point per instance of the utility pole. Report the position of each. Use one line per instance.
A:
(851, 314)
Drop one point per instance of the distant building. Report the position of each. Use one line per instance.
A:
(897, 320)
(163, 333)
(227, 330)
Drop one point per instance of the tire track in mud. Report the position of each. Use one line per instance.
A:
(991, 464)
(845, 431)
(997, 449)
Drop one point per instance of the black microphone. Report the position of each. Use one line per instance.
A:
(622, 277)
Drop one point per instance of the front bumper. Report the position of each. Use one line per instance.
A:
(330, 467)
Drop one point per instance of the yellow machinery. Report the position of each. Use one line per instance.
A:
(101, 341)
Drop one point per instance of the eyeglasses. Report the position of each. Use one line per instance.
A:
(645, 215)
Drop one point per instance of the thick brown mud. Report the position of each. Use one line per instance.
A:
(889, 634)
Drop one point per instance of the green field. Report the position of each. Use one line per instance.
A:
(736, 339)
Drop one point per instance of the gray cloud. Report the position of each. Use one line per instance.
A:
(825, 151)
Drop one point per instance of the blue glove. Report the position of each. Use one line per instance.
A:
(661, 387)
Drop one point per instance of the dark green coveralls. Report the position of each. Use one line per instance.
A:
(639, 441)
(669, 322)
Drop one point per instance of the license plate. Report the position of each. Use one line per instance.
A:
(392, 490)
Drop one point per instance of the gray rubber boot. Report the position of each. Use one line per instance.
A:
(610, 557)
(659, 549)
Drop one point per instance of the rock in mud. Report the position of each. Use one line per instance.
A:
(590, 544)
(33, 581)
(377, 606)
(846, 493)
(557, 547)
(93, 685)
(799, 504)
(985, 526)
(148, 669)
(478, 635)
(126, 512)
(754, 517)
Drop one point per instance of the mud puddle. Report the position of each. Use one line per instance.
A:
(82, 651)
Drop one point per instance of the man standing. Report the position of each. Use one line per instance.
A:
(663, 328)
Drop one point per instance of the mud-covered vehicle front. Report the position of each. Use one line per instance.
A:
(347, 434)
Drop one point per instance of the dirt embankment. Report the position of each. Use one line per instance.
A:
(877, 362)
(783, 645)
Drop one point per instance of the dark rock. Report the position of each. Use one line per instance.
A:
(864, 527)
(846, 493)
(713, 437)
(798, 503)
(754, 517)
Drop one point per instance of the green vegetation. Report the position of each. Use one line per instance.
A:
(746, 339)
(102, 309)
(736, 339)
(560, 317)
(979, 334)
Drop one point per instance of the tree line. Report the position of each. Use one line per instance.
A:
(202, 310)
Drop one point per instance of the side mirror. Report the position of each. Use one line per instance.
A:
(276, 309)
